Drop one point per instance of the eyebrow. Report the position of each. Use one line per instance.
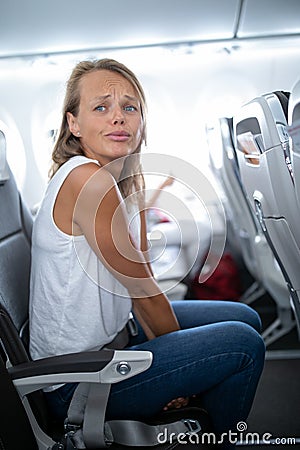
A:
(105, 97)
(129, 97)
(100, 99)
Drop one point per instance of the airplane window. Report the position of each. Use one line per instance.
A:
(43, 142)
(15, 152)
(215, 146)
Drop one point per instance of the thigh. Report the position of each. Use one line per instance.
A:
(194, 313)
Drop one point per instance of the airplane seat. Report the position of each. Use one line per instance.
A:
(262, 145)
(25, 421)
(15, 241)
(256, 253)
(224, 166)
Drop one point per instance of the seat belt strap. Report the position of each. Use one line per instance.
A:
(88, 408)
(94, 417)
(134, 434)
(120, 341)
(123, 337)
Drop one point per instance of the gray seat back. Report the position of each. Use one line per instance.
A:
(15, 239)
(224, 164)
(15, 258)
(263, 155)
(257, 254)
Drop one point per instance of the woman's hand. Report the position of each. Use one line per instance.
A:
(177, 403)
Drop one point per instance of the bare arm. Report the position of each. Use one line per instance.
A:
(100, 214)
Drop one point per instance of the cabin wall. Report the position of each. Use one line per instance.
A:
(184, 91)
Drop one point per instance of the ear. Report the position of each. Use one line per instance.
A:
(73, 124)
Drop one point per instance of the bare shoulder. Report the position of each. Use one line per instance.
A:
(90, 177)
(79, 196)
(68, 196)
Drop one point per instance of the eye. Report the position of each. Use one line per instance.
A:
(100, 108)
(130, 108)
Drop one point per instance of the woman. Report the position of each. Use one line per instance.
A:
(90, 269)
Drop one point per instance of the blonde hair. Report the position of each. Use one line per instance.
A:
(67, 145)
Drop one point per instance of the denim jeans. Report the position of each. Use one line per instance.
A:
(218, 354)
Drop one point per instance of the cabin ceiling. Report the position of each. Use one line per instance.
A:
(39, 27)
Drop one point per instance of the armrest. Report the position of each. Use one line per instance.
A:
(71, 362)
(105, 366)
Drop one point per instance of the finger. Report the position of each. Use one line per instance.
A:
(177, 403)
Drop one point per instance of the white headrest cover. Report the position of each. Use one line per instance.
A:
(4, 174)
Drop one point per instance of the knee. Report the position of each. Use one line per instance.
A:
(248, 340)
(251, 317)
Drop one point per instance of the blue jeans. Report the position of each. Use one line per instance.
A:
(218, 354)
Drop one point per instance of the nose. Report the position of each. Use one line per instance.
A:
(120, 121)
(118, 117)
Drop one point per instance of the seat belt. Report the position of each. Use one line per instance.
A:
(123, 337)
(86, 415)
(88, 429)
(135, 434)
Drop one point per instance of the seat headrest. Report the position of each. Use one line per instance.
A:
(283, 97)
(4, 173)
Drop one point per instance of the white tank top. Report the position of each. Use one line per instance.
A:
(75, 302)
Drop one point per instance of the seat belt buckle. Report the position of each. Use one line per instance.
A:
(71, 427)
(132, 326)
(192, 425)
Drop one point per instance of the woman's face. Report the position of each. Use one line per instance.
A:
(109, 123)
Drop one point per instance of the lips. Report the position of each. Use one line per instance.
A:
(118, 136)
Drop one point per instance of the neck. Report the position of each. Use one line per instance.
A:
(115, 168)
